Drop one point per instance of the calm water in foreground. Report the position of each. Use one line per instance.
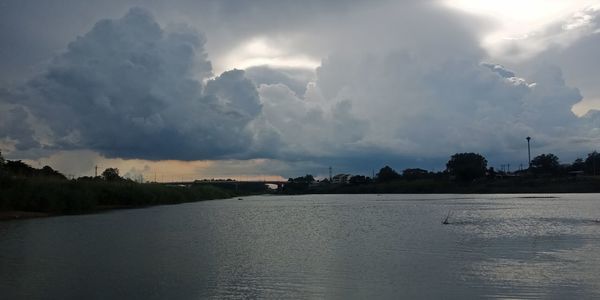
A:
(314, 246)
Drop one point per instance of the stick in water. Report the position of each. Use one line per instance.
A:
(445, 222)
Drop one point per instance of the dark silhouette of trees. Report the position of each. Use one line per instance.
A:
(303, 179)
(414, 174)
(47, 171)
(309, 178)
(386, 174)
(111, 174)
(545, 163)
(592, 163)
(298, 185)
(2, 164)
(577, 165)
(18, 168)
(467, 166)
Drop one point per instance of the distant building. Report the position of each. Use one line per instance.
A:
(341, 178)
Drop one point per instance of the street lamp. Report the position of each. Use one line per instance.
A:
(529, 151)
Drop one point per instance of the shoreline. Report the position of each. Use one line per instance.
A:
(22, 215)
(14, 215)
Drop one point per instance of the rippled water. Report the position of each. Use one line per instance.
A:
(313, 246)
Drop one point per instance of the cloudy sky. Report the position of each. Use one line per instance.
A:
(277, 88)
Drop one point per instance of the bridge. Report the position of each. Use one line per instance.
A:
(234, 183)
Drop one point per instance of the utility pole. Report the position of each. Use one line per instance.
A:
(529, 151)
(96, 171)
(330, 174)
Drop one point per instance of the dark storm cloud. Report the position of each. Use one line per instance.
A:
(399, 82)
(13, 126)
(129, 89)
(235, 92)
(32, 30)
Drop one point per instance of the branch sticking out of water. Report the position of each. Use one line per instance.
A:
(445, 221)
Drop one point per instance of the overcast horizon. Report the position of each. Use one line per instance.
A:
(275, 89)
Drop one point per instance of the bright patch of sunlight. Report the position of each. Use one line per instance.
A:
(523, 20)
(262, 51)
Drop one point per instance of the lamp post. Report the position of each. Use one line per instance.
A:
(529, 151)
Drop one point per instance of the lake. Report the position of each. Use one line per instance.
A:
(313, 246)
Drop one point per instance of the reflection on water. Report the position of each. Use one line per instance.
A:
(314, 246)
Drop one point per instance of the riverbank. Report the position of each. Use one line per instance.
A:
(17, 215)
(514, 185)
(23, 198)
(40, 197)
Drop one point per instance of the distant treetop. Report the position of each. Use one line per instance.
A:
(545, 163)
(111, 174)
(467, 166)
(386, 174)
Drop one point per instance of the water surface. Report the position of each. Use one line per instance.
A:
(313, 246)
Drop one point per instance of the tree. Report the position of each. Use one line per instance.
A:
(2, 164)
(386, 174)
(19, 169)
(467, 166)
(578, 165)
(592, 163)
(545, 163)
(303, 179)
(413, 174)
(47, 171)
(309, 178)
(111, 174)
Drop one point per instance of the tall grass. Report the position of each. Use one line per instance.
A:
(76, 196)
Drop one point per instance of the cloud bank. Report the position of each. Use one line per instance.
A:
(412, 87)
(131, 89)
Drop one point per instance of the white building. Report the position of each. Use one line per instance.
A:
(341, 178)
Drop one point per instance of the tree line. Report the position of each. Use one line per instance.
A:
(470, 166)
(25, 188)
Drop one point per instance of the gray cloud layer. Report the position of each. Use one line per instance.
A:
(403, 83)
(130, 89)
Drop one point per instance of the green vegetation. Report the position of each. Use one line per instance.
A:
(45, 190)
(23, 188)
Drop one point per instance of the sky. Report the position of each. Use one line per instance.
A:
(267, 89)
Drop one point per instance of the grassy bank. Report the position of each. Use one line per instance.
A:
(57, 196)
